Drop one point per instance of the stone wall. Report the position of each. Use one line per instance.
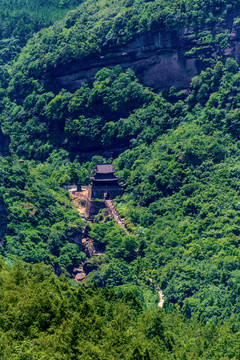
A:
(93, 207)
(113, 191)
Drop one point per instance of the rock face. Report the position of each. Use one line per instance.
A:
(158, 58)
(4, 145)
(233, 48)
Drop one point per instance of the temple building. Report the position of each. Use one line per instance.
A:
(104, 184)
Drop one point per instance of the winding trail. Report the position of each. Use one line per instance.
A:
(76, 196)
(160, 293)
(114, 214)
(161, 298)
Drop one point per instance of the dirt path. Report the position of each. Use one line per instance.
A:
(160, 293)
(161, 298)
(80, 206)
(114, 214)
(77, 196)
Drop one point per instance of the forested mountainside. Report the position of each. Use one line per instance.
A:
(20, 19)
(42, 316)
(164, 43)
(71, 100)
(99, 26)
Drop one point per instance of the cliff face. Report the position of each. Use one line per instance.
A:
(4, 145)
(158, 58)
(233, 48)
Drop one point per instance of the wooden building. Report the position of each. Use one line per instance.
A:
(104, 185)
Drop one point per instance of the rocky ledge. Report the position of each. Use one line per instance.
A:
(157, 58)
(160, 59)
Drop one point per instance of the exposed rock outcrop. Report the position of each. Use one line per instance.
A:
(159, 58)
(233, 48)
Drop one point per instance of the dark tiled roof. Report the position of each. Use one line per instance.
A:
(105, 169)
(104, 180)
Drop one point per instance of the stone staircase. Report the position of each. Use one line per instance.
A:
(114, 214)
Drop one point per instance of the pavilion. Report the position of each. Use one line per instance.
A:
(104, 184)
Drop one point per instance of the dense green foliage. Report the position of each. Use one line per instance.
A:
(183, 193)
(181, 197)
(41, 222)
(93, 117)
(20, 19)
(178, 197)
(97, 27)
(42, 316)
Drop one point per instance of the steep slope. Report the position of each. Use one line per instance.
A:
(42, 316)
(182, 196)
(160, 59)
(181, 166)
(37, 217)
(164, 43)
(157, 58)
(4, 151)
(20, 19)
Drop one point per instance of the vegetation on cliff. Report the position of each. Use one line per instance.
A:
(181, 177)
(182, 197)
(180, 205)
(99, 27)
